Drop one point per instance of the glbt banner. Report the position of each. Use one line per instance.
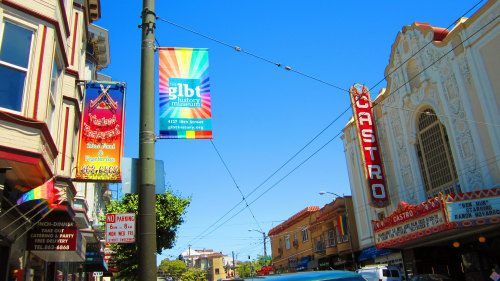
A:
(185, 104)
(101, 132)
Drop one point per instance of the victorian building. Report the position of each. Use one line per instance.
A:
(47, 221)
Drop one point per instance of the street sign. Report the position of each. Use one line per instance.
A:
(97, 273)
(265, 258)
(120, 228)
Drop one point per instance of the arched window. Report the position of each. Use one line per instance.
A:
(434, 155)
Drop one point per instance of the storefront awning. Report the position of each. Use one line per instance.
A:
(372, 252)
(303, 263)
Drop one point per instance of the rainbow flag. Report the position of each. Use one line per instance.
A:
(342, 225)
(185, 103)
(46, 192)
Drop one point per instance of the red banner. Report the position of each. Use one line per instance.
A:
(101, 132)
(374, 172)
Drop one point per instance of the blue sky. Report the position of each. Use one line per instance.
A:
(262, 115)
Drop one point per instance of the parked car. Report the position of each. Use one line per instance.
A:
(329, 275)
(430, 277)
(380, 272)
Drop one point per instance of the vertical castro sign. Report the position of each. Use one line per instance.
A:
(361, 106)
(185, 104)
(101, 132)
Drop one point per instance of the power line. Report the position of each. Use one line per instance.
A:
(237, 187)
(238, 49)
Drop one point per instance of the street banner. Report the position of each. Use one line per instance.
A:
(185, 103)
(374, 172)
(101, 132)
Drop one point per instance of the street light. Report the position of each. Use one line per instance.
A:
(263, 236)
(347, 217)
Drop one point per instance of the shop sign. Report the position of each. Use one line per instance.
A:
(473, 208)
(120, 228)
(410, 222)
(101, 132)
(57, 241)
(368, 143)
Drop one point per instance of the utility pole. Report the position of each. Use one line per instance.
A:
(147, 198)
(265, 251)
(189, 254)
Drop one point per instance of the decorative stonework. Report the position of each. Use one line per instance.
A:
(463, 135)
(464, 68)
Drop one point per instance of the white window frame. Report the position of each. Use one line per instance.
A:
(54, 92)
(287, 242)
(331, 238)
(34, 28)
(305, 235)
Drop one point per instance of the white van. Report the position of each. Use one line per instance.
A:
(380, 272)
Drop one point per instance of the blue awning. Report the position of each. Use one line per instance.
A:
(372, 252)
(303, 263)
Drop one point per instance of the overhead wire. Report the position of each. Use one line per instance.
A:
(236, 184)
(238, 49)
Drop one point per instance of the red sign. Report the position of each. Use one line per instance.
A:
(53, 236)
(120, 228)
(374, 172)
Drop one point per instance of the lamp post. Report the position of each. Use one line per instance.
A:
(263, 236)
(347, 217)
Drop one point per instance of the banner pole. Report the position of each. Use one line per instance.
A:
(147, 138)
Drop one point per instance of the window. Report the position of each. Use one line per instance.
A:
(287, 242)
(54, 81)
(305, 236)
(216, 271)
(434, 156)
(339, 238)
(318, 245)
(331, 237)
(15, 49)
(295, 239)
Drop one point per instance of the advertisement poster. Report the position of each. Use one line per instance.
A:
(185, 103)
(374, 171)
(101, 132)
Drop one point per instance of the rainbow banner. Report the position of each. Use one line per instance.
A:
(185, 104)
(101, 132)
(342, 225)
(45, 191)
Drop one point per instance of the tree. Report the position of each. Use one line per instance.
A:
(173, 268)
(245, 270)
(194, 274)
(169, 212)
